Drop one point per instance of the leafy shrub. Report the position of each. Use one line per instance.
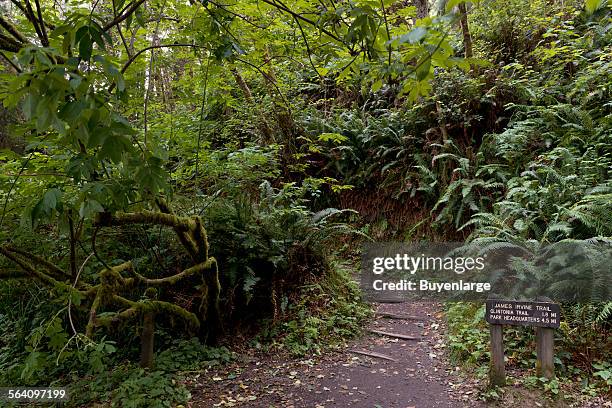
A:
(127, 385)
(324, 314)
(509, 31)
(271, 247)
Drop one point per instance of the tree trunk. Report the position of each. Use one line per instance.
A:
(422, 8)
(246, 91)
(465, 29)
(263, 125)
(147, 340)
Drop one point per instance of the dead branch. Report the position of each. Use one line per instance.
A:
(130, 10)
(398, 316)
(395, 335)
(373, 354)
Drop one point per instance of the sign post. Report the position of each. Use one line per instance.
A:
(544, 316)
(497, 370)
(545, 344)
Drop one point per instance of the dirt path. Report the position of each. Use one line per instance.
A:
(418, 375)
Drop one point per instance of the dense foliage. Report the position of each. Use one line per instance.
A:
(174, 172)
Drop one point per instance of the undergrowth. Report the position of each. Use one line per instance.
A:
(469, 339)
(323, 315)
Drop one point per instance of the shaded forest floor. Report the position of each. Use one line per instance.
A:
(410, 373)
(418, 375)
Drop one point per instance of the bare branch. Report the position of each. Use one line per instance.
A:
(129, 11)
(45, 39)
(35, 23)
(286, 9)
(394, 335)
(25, 13)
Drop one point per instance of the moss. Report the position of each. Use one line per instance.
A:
(160, 307)
(91, 323)
(30, 270)
(174, 279)
(184, 237)
(112, 277)
(151, 293)
(12, 274)
(210, 312)
(117, 318)
(57, 272)
(199, 235)
(193, 237)
(145, 217)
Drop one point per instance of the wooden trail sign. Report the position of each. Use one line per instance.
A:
(543, 315)
(515, 313)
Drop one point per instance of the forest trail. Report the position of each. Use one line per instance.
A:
(419, 374)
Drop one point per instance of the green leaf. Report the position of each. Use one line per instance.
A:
(57, 341)
(332, 137)
(29, 106)
(140, 17)
(43, 114)
(90, 207)
(72, 110)
(377, 85)
(605, 374)
(76, 297)
(37, 213)
(51, 199)
(114, 146)
(592, 6)
(42, 58)
(109, 347)
(85, 47)
(452, 4)
(422, 71)
(413, 36)
(95, 32)
(75, 82)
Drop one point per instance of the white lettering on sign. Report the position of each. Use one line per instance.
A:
(523, 313)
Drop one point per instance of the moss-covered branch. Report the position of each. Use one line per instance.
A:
(144, 217)
(112, 277)
(121, 279)
(12, 274)
(189, 231)
(54, 270)
(155, 306)
(174, 279)
(32, 271)
(185, 237)
(200, 237)
(91, 323)
(8, 26)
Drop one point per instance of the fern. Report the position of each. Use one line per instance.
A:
(604, 314)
